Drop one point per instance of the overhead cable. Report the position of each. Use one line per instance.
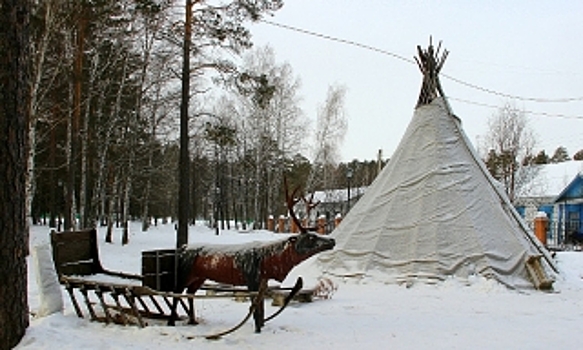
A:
(343, 41)
(544, 114)
(514, 97)
(402, 58)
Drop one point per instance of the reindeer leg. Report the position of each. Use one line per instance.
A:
(174, 307)
(191, 318)
(192, 288)
(173, 312)
(259, 313)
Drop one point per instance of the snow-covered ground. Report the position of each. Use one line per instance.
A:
(450, 315)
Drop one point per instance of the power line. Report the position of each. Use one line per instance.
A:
(544, 114)
(402, 58)
(515, 97)
(339, 40)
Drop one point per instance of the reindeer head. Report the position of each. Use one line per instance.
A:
(309, 243)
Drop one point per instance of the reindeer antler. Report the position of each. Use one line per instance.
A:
(310, 204)
(291, 201)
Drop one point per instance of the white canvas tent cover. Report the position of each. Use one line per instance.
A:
(434, 212)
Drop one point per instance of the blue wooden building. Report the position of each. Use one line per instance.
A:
(569, 210)
(556, 190)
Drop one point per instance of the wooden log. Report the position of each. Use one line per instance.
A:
(303, 296)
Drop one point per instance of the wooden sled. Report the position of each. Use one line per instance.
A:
(121, 296)
(129, 299)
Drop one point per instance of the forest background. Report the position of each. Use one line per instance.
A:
(104, 126)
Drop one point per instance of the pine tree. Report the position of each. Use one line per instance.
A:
(541, 158)
(560, 155)
(14, 115)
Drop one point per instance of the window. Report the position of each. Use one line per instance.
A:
(573, 221)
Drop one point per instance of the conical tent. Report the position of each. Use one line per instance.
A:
(434, 211)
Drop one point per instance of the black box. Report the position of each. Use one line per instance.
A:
(159, 269)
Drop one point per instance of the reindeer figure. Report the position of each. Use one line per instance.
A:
(248, 264)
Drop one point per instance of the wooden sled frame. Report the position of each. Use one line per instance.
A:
(123, 297)
(76, 258)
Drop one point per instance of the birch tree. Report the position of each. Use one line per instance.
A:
(274, 128)
(330, 131)
(45, 14)
(510, 140)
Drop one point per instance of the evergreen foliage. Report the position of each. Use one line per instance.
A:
(560, 155)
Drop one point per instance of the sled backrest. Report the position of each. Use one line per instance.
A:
(159, 269)
(76, 253)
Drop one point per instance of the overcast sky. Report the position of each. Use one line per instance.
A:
(531, 49)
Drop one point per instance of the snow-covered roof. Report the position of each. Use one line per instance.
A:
(552, 179)
(573, 190)
(338, 195)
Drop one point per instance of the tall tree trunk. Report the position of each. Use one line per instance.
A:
(147, 190)
(184, 167)
(75, 118)
(111, 205)
(139, 98)
(14, 115)
(125, 238)
(193, 193)
(127, 182)
(100, 192)
(256, 187)
(246, 178)
(52, 179)
(37, 72)
(30, 173)
(83, 193)
(150, 155)
(68, 188)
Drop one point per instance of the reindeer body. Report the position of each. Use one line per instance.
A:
(246, 264)
(251, 264)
